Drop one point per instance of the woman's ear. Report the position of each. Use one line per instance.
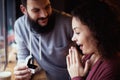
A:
(23, 9)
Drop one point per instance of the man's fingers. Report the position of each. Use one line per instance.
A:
(22, 72)
(21, 67)
(23, 77)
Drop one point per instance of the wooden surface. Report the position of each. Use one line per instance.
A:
(10, 67)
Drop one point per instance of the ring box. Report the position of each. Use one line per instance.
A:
(32, 67)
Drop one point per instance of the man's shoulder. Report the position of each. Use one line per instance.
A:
(62, 17)
(20, 22)
(65, 14)
(62, 14)
(21, 19)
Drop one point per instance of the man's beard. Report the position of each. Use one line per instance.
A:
(35, 26)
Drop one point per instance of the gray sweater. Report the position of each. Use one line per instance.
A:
(49, 50)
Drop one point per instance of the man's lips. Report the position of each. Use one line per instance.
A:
(43, 21)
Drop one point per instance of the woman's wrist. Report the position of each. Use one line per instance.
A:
(77, 78)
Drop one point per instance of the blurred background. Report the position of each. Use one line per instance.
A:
(10, 11)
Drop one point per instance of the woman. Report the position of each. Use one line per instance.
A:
(96, 32)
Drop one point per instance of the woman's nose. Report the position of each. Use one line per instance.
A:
(73, 38)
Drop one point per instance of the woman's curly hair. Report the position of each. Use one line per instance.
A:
(103, 23)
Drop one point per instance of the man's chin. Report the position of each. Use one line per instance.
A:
(43, 25)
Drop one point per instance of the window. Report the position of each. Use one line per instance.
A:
(7, 18)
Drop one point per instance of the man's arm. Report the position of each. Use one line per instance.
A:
(21, 70)
(22, 51)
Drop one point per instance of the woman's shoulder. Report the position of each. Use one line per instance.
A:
(111, 63)
(107, 69)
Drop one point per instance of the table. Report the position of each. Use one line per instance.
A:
(10, 67)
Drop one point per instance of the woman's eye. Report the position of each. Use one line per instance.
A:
(77, 32)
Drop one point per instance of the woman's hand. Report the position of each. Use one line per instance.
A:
(74, 64)
(22, 72)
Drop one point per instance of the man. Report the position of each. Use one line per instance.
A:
(46, 34)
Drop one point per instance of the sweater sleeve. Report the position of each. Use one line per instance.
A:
(77, 78)
(22, 51)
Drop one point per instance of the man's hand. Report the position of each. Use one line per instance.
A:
(74, 64)
(22, 72)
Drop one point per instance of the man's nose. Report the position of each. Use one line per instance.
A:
(43, 13)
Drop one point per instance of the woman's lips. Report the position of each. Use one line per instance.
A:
(81, 47)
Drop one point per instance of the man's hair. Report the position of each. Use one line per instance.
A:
(24, 2)
(103, 23)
